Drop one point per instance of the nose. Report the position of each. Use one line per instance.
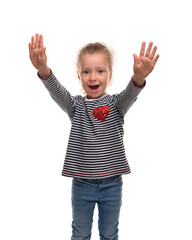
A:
(93, 76)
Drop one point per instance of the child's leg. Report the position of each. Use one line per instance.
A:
(83, 204)
(109, 208)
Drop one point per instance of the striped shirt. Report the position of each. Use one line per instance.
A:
(95, 148)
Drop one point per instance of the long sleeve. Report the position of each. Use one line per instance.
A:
(127, 97)
(60, 95)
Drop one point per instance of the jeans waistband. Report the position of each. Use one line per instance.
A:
(101, 180)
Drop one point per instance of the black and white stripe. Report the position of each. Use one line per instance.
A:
(95, 148)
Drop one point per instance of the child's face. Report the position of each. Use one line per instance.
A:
(94, 74)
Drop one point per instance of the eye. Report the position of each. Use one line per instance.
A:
(100, 71)
(85, 72)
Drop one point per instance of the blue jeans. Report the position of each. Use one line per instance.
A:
(107, 193)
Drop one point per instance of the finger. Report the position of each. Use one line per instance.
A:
(37, 41)
(149, 49)
(41, 41)
(30, 47)
(153, 53)
(33, 42)
(142, 51)
(155, 59)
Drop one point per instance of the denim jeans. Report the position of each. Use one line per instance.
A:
(107, 193)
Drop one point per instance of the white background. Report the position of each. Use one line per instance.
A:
(34, 197)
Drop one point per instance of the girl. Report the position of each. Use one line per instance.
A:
(95, 156)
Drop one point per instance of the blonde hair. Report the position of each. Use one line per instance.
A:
(97, 47)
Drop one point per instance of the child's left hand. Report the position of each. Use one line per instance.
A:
(144, 64)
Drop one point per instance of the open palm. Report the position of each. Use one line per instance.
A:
(145, 63)
(37, 52)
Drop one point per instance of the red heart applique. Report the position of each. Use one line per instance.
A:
(101, 113)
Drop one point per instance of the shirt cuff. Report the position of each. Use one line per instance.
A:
(50, 76)
(136, 87)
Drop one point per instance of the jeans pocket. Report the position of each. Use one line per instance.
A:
(119, 179)
(77, 180)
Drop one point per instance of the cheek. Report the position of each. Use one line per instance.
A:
(105, 80)
(83, 83)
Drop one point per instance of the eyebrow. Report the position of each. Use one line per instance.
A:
(95, 68)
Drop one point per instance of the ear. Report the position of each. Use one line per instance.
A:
(110, 75)
(78, 75)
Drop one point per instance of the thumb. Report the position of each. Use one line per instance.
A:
(44, 49)
(136, 59)
(43, 53)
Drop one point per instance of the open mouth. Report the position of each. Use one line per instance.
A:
(94, 87)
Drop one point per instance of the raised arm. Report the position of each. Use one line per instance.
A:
(144, 64)
(38, 56)
(59, 93)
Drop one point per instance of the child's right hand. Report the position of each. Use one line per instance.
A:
(38, 56)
